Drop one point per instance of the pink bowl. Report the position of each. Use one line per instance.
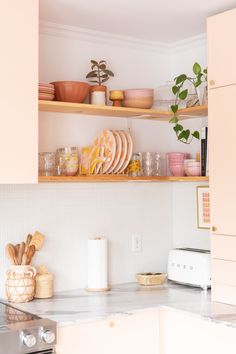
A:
(177, 154)
(177, 170)
(137, 93)
(193, 170)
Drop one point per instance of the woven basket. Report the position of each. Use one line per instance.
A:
(44, 286)
(20, 283)
(150, 278)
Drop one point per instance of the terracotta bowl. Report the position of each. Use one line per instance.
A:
(71, 91)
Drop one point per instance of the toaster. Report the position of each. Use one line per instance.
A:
(190, 266)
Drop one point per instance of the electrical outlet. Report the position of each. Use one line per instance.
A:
(136, 243)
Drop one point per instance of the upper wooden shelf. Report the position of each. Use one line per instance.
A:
(118, 178)
(121, 112)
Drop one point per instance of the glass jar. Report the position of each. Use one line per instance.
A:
(134, 167)
(150, 164)
(47, 163)
(67, 161)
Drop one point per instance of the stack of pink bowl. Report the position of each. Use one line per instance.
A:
(46, 92)
(176, 163)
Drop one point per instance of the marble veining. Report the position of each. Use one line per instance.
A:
(79, 306)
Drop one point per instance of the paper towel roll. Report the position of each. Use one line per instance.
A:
(97, 265)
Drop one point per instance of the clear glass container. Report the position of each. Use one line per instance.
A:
(134, 168)
(47, 164)
(151, 163)
(67, 161)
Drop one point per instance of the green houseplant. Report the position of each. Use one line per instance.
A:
(99, 74)
(181, 93)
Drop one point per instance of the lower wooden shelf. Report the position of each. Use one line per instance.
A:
(118, 178)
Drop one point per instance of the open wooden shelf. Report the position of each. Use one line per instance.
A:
(118, 178)
(120, 112)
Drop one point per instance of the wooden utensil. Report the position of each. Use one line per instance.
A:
(17, 250)
(10, 251)
(30, 254)
(37, 240)
(21, 252)
(24, 259)
(27, 242)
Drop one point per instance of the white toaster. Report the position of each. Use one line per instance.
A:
(190, 266)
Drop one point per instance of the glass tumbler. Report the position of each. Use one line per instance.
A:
(47, 163)
(150, 164)
(67, 161)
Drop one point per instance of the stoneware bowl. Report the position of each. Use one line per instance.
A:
(138, 98)
(71, 91)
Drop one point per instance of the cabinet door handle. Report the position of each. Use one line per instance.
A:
(212, 82)
(214, 228)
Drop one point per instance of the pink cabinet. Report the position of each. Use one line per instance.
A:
(183, 333)
(135, 333)
(222, 49)
(222, 147)
(18, 91)
(222, 134)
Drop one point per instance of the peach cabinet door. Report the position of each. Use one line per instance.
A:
(18, 91)
(183, 333)
(138, 333)
(221, 31)
(222, 147)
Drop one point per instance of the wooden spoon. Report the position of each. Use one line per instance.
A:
(30, 254)
(10, 251)
(17, 247)
(27, 242)
(21, 252)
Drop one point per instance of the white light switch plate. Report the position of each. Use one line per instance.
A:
(136, 243)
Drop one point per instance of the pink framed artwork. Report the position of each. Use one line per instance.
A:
(203, 207)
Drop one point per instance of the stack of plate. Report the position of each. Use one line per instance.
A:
(116, 147)
(109, 153)
(46, 92)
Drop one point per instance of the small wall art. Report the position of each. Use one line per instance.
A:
(203, 207)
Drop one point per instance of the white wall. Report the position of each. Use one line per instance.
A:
(69, 214)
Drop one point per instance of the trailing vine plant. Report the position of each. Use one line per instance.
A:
(185, 135)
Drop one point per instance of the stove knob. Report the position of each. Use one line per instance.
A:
(29, 340)
(48, 336)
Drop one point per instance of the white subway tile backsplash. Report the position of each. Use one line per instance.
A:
(69, 214)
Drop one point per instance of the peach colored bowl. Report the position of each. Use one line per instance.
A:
(71, 91)
(134, 93)
(138, 98)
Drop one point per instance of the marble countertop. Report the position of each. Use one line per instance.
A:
(79, 306)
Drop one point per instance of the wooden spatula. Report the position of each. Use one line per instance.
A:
(21, 252)
(30, 254)
(10, 251)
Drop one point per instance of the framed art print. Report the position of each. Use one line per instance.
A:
(203, 207)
